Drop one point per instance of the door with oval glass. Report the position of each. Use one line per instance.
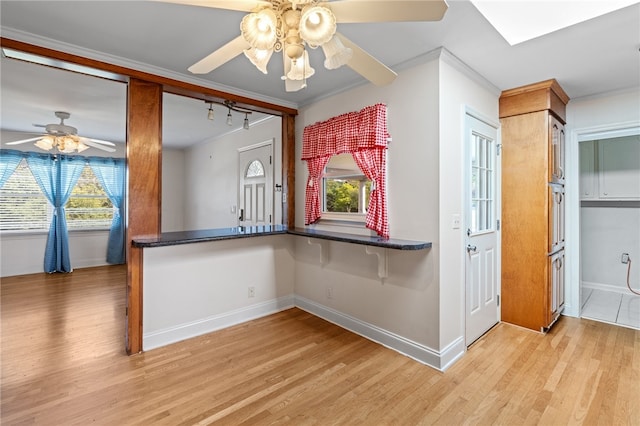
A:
(255, 192)
(482, 230)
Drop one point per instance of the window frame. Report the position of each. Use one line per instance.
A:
(359, 217)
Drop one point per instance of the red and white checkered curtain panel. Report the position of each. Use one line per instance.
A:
(373, 163)
(312, 208)
(363, 132)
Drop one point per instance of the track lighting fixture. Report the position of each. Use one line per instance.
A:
(231, 106)
(229, 118)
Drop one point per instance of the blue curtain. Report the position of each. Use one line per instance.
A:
(111, 173)
(9, 160)
(56, 178)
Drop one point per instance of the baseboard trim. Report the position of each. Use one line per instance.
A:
(605, 287)
(423, 354)
(213, 323)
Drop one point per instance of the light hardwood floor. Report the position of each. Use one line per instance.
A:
(63, 363)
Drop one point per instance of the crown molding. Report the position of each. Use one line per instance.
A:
(139, 66)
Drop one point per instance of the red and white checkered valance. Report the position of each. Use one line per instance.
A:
(364, 135)
(350, 132)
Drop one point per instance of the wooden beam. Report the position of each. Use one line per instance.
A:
(171, 85)
(144, 160)
(289, 169)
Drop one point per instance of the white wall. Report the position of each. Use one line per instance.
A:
(194, 289)
(211, 176)
(22, 253)
(460, 90)
(589, 118)
(606, 233)
(173, 190)
(421, 302)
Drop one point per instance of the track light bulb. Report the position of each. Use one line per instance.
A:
(210, 113)
(229, 118)
(246, 122)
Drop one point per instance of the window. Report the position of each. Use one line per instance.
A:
(345, 187)
(482, 184)
(23, 206)
(255, 169)
(88, 206)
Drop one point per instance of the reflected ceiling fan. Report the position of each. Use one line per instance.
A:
(291, 27)
(64, 138)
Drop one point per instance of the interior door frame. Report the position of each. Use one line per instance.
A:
(573, 271)
(472, 113)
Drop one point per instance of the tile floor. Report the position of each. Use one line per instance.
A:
(611, 307)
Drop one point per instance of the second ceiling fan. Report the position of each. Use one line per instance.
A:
(293, 26)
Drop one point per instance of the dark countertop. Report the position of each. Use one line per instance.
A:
(190, 237)
(376, 241)
(204, 235)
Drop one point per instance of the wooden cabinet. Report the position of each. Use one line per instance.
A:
(532, 120)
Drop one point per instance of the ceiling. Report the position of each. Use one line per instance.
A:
(596, 56)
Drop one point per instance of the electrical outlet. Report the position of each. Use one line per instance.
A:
(329, 292)
(625, 258)
(252, 292)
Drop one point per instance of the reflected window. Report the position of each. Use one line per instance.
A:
(346, 188)
(255, 169)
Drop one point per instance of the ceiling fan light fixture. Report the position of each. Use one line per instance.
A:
(301, 68)
(259, 57)
(81, 147)
(259, 29)
(66, 144)
(336, 54)
(317, 25)
(45, 143)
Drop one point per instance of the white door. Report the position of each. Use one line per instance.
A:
(256, 185)
(482, 271)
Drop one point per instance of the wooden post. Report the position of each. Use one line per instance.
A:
(144, 161)
(289, 169)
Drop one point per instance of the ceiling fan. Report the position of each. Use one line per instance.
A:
(291, 26)
(64, 138)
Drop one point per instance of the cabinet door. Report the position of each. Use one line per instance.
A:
(619, 168)
(556, 150)
(588, 181)
(556, 286)
(556, 217)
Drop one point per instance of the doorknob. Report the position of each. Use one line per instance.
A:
(471, 248)
(241, 215)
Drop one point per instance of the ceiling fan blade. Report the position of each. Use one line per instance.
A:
(23, 141)
(98, 141)
(93, 144)
(368, 66)
(239, 5)
(358, 11)
(220, 56)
